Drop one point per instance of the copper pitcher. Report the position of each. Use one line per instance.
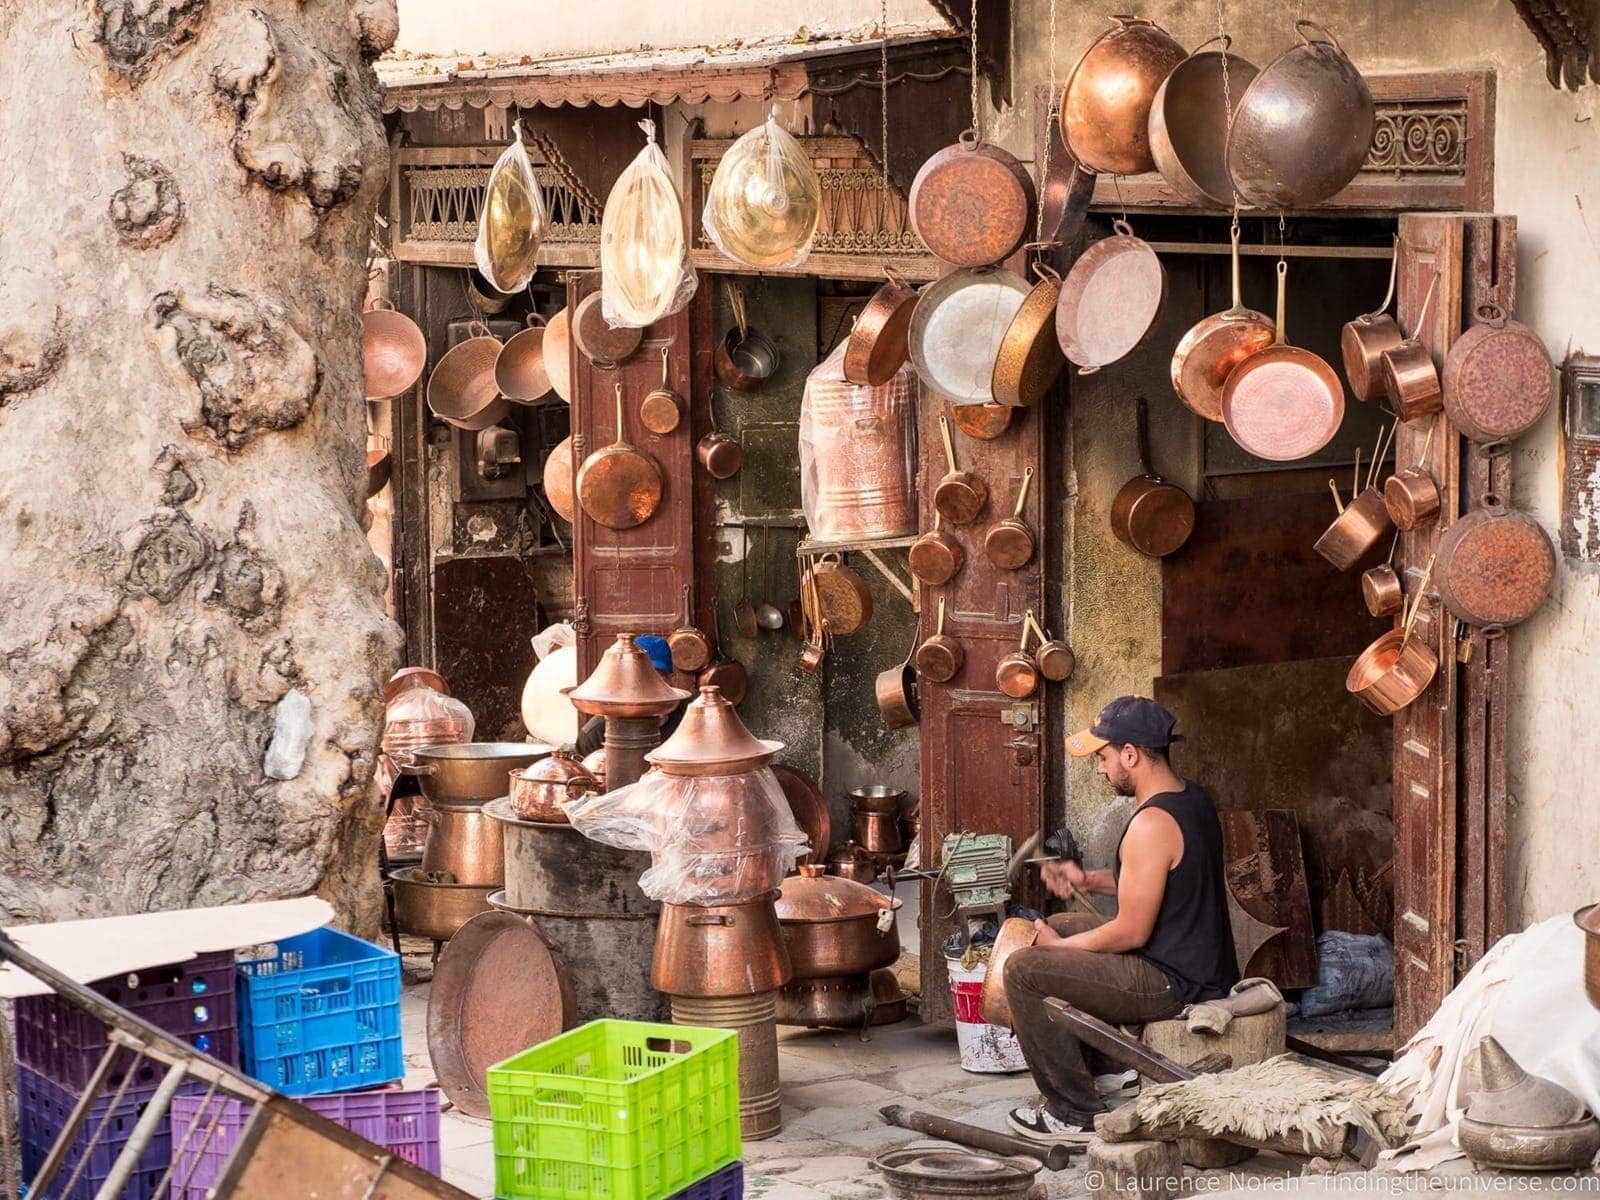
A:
(720, 950)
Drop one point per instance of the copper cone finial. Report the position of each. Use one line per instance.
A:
(625, 684)
(712, 740)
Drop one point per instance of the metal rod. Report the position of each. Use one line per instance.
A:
(1265, 251)
(1115, 1044)
(155, 1113)
(188, 1136)
(69, 1131)
(1055, 1157)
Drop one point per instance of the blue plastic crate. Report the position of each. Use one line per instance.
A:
(322, 1015)
(726, 1184)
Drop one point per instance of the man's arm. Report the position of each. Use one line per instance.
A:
(1151, 846)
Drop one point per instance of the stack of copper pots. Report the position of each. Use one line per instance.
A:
(723, 964)
(627, 690)
(838, 932)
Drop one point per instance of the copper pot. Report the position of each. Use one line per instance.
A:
(878, 343)
(851, 861)
(595, 763)
(659, 411)
(939, 658)
(691, 649)
(1356, 530)
(1412, 498)
(1105, 106)
(618, 486)
(1017, 675)
(537, 792)
(1363, 340)
(1015, 934)
(936, 558)
(464, 842)
(1209, 352)
(519, 371)
(1409, 375)
(1495, 567)
(435, 910)
(1111, 300)
(864, 483)
(895, 690)
(1392, 672)
(720, 950)
(1382, 590)
(720, 454)
(960, 495)
(877, 798)
(889, 1002)
(835, 926)
(745, 359)
(393, 350)
(462, 390)
(878, 833)
(1149, 514)
(467, 771)
(1055, 658)
(729, 677)
(1010, 543)
(597, 339)
(971, 204)
(1498, 379)
(1189, 122)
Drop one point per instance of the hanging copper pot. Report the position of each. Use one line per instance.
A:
(1149, 514)
(558, 472)
(895, 690)
(619, 487)
(1010, 543)
(1392, 673)
(1016, 674)
(1209, 352)
(971, 204)
(940, 657)
(982, 422)
(597, 339)
(957, 329)
(1030, 357)
(844, 596)
(1409, 376)
(878, 342)
(720, 454)
(1189, 122)
(557, 353)
(1359, 527)
(659, 411)
(1498, 379)
(1363, 341)
(720, 950)
(462, 390)
(1382, 591)
(1055, 658)
(691, 649)
(1495, 566)
(519, 371)
(960, 495)
(936, 558)
(1412, 498)
(393, 350)
(1105, 106)
(1111, 300)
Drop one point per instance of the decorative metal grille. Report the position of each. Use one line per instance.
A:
(1420, 139)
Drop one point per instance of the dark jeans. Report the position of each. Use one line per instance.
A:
(1118, 988)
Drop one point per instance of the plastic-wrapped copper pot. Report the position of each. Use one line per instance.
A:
(712, 740)
(537, 792)
(1412, 498)
(720, 950)
(1382, 591)
(1356, 530)
(1392, 672)
(835, 926)
(1588, 920)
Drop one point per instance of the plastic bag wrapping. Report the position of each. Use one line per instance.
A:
(765, 199)
(712, 839)
(1354, 970)
(644, 256)
(419, 716)
(858, 453)
(513, 220)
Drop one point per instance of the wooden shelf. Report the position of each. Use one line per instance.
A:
(814, 546)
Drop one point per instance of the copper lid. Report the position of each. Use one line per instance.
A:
(712, 740)
(595, 763)
(407, 678)
(625, 684)
(561, 767)
(815, 897)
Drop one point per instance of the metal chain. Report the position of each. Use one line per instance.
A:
(883, 88)
(972, 39)
(1227, 99)
(1049, 118)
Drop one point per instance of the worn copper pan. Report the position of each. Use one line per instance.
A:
(1382, 591)
(1105, 106)
(393, 350)
(957, 329)
(1282, 403)
(972, 204)
(557, 353)
(845, 599)
(520, 372)
(1363, 340)
(1495, 566)
(659, 411)
(960, 495)
(1409, 375)
(940, 657)
(1010, 543)
(896, 692)
(1055, 658)
(1016, 674)
(1498, 378)
(1111, 300)
(1030, 357)
(619, 487)
(1412, 498)
(1189, 122)
(983, 422)
(1359, 527)
(1303, 127)
(1148, 514)
(558, 479)
(936, 558)
(690, 649)
(462, 390)
(599, 341)
(878, 346)
(1208, 353)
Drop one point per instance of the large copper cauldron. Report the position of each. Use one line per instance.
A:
(465, 843)
(834, 926)
(719, 950)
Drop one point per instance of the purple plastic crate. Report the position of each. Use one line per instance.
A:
(193, 1001)
(726, 1184)
(42, 1111)
(406, 1123)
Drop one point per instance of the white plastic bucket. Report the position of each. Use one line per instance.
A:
(985, 1049)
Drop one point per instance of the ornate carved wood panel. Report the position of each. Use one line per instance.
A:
(631, 580)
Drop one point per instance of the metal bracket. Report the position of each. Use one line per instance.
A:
(1022, 716)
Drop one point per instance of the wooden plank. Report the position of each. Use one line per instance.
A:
(1114, 1044)
(1267, 874)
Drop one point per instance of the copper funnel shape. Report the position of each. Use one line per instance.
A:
(625, 684)
(712, 740)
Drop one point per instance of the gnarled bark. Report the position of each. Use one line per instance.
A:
(190, 187)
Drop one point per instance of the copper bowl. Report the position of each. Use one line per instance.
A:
(1355, 531)
(720, 950)
(1588, 920)
(393, 351)
(1015, 934)
(1392, 672)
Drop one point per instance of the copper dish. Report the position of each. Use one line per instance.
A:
(971, 204)
(557, 353)
(1496, 566)
(537, 792)
(1498, 378)
(558, 472)
(462, 390)
(1189, 122)
(843, 596)
(1208, 353)
(958, 328)
(393, 350)
(1392, 673)
(1030, 357)
(1110, 301)
(1015, 934)
(1105, 106)
(435, 910)
(599, 341)
(878, 346)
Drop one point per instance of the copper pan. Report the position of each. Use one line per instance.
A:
(1030, 357)
(981, 422)
(691, 649)
(1189, 122)
(1382, 591)
(1409, 376)
(896, 693)
(1359, 527)
(1498, 378)
(1392, 673)
(519, 371)
(1282, 403)
(462, 390)
(720, 454)
(844, 597)
(1055, 658)
(729, 677)
(1010, 543)
(877, 346)
(1303, 127)
(1412, 498)
(659, 411)
(971, 204)
(1111, 300)
(557, 353)
(1208, 353)
(958, 327)
(1015, 934)
(1495, 566)
(597, 339)
(940, 657)
(936, 558)
(393, 350)
(960, 495)
(1148, 514)
(619, 487)
(1105, 106)
(558, 479)
(1016, 674)
(1363, 340)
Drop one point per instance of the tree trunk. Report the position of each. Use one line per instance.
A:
(193, 642)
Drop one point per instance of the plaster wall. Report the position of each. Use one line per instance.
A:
(1547, 173)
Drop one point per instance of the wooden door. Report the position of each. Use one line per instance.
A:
(631, 580)
(982, 755)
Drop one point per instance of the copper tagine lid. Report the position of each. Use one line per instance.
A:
(712, 740)
(625, 684)
(814, 897)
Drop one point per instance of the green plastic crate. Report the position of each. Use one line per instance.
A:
(615, 1110)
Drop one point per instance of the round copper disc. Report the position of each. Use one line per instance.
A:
(1283, 404)
(499, 988)
(1499, 384)
(809, 808)
(1111, 299)
(1495, 567)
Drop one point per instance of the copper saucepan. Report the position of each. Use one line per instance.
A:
(659, 411)
(1282, 403)
(1360, 524)
(690, 649)
(1412, 495)
(1010, 543)
(462, 390)
(895, 690)
(1363, 340)
(1208, 353)
(1149, 514)
(393, 350)
(1055, 658)
(939, 658)
(878, 342)
(619, 487)
(1382, 591)
(519, 371)
(936, 557)
(1017, 674)
(1397, 668)
(1409, 376)
(960, 495)
(720, 454)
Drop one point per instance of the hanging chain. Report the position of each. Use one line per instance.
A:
(883, 90)
(1227, 100)
(972, 39)
(1049, 118)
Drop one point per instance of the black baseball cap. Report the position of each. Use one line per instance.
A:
(1126, 721)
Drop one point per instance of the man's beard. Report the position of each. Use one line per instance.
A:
(1123, 787)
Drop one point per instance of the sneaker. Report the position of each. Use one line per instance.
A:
(1116, 1088)
(1040, 1125)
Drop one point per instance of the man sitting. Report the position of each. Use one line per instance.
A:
(1170, 943)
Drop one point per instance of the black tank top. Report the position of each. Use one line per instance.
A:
(1192, 942)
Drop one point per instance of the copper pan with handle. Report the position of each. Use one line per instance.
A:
(1208, 353)
(936, 558)
(960, 495)
(618, 486)
(896, 692)
(1010, 542)
(1363, 340)
(939, 658)
(462, 391)
(519, 371)
(878, 345)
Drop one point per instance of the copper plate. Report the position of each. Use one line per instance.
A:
(596, 339)
(1495, 566)
(971, 203)
(809, 808)
(1498, 378)
(500, 987)
(1111, 300)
